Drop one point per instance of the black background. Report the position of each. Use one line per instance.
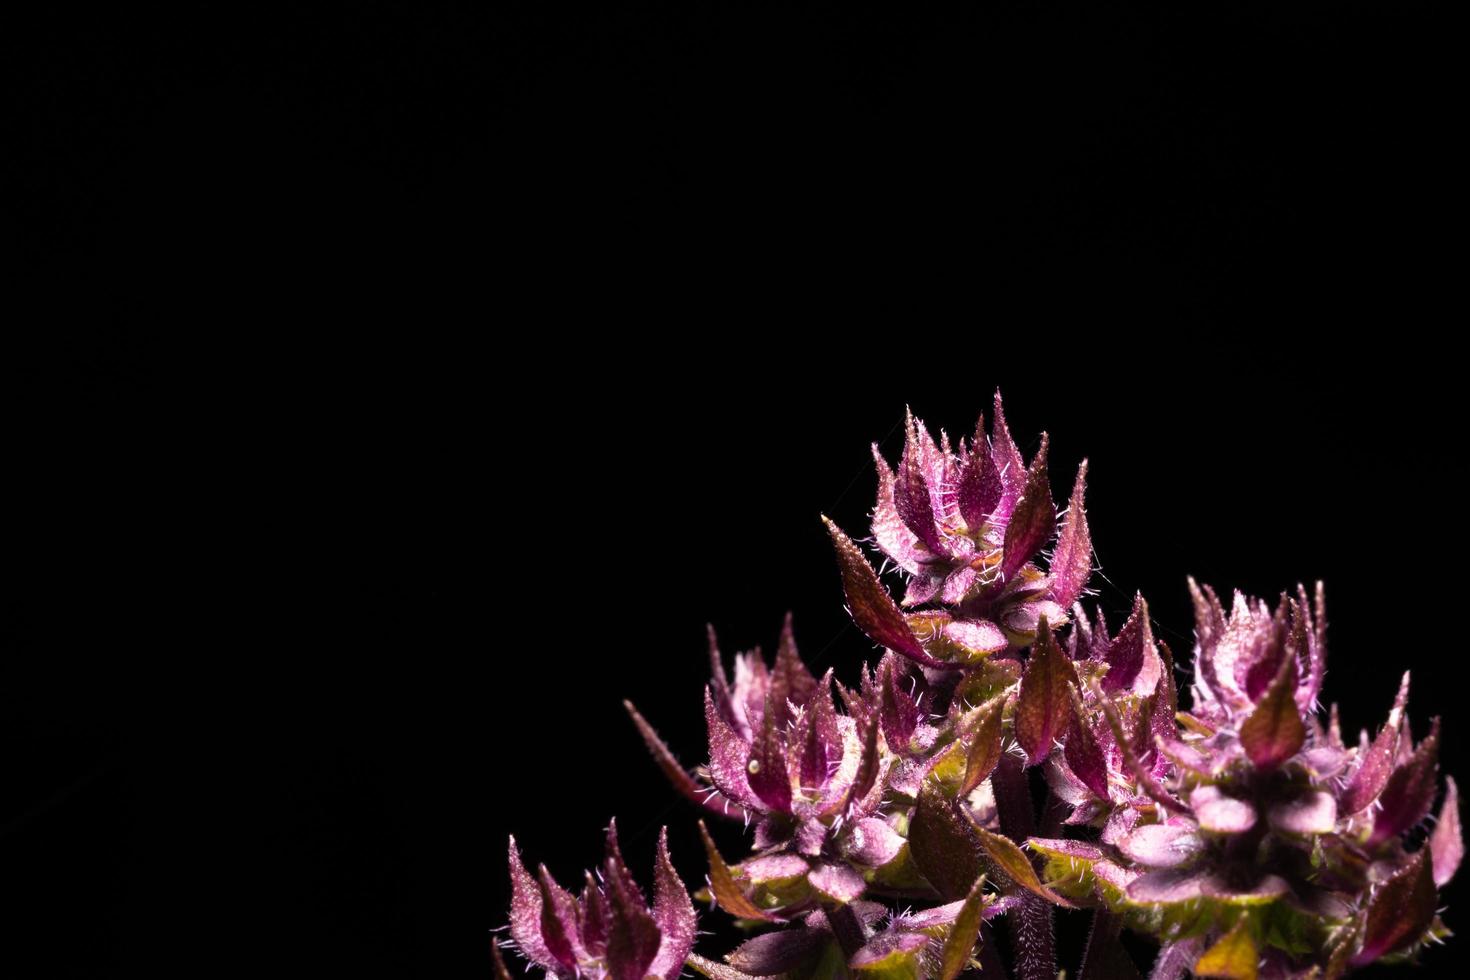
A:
(507, 347)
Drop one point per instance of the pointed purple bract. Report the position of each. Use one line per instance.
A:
(872, 608)
(1400, 911)
(1274, 731)
(673, 912)
(1071, 563)
(1371, 776)
(1133, 658)
(1410, 791)
(1446, 842)
(1034, 520)
(1044, 706)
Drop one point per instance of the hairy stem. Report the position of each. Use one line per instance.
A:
(1100, 938)
(847, 928)
(1032, 944)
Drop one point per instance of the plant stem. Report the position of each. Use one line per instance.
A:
(1032, 943)
(847, 928)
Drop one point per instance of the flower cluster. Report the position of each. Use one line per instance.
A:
(893, 825)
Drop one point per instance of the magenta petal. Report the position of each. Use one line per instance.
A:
(1071, 563)
(1313, 812)
(1133, 658)
(525, 913)
(1034, 519)
(673, 912)
(1221, 814)
(872, 842)
(773, 867)
(838, 882)
(1161, 845)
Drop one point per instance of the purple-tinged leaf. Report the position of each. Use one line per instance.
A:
(1263, 662)
(1313, 812)
(866, 777)
(838, 882)
(1234, 956)
(1141, 774)
(1274, 731)
(790, 680)
(766, 771)
(821, 750)
(1400, 911)
(1446, 843)
(911, 491)
(1168, 696)
(673, 912)
(729, 756)
(525, 913)
(1033, 521)
(1221, 814)
(1161, 845)
(1407, 798)
(1008, 863)
(594, 918)
(959, 945)
(1184, 754)
(872, 608)
(778, 952)
(1071, 563)
(898, 712)
(1133, 657)
(889, 530)
(943, 843)
(718, 677)
(633, 936)
(1008, 463)
(1082, 751)
(559, 927)
(716, 971)
(722, 884)
(686, 785)
(984, 749)
(1043, 706)
(980, 485)
(1371, 776)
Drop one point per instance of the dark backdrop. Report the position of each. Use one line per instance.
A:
(519, 344)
